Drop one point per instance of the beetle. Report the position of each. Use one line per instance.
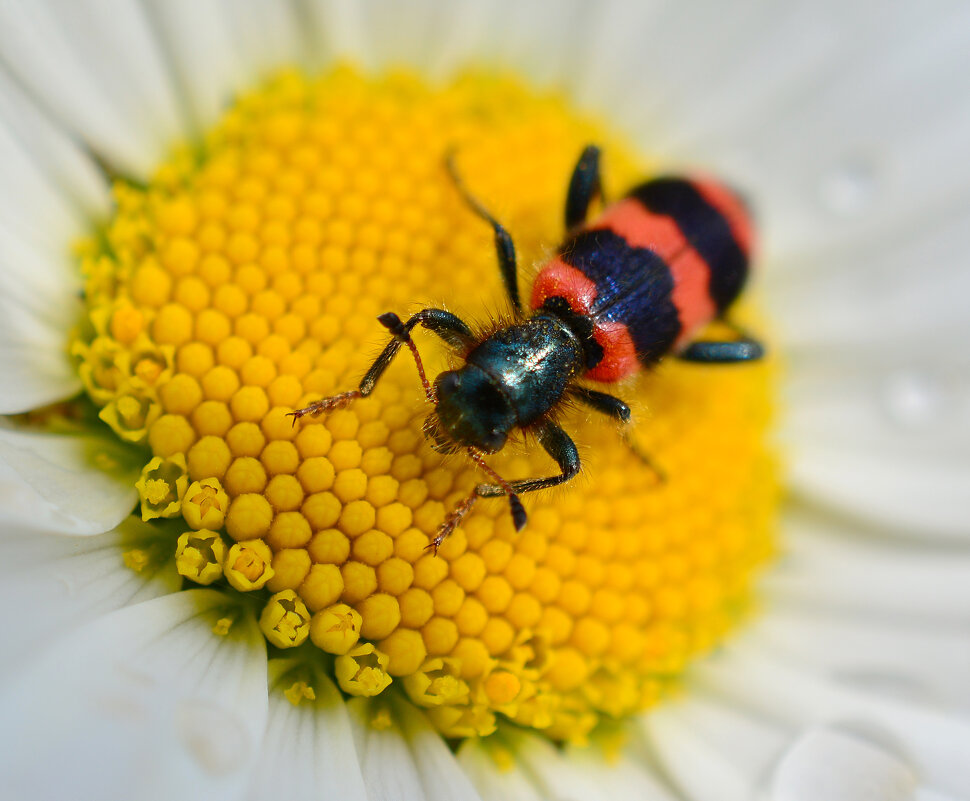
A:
(624, 290)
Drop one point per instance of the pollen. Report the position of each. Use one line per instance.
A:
(244, 282)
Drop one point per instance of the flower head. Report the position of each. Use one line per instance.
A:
(236, 278)
(257, 267)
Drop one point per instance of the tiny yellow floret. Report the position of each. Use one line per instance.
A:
(248, 565)
(250, 516)
(285, 620)
(131, 415)
(362, 671)
(336, 629)
(200, 555)
(438, 681)
(162, 486)
(205, 504)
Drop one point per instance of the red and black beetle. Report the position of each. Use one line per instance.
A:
(625, 289)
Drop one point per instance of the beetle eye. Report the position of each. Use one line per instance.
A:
(494, 440)
(447, 382)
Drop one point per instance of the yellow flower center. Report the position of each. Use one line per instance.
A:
(244, 282)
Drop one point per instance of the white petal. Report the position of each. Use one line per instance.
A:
(39, 370)
(53, 189)
(219, 48)
(619, 777)
(899, 491)
(837, 766)
(51, 584)
(39, 305)
(463, 28)
(496, 782)
(441, 776)
(388, 768)
(869, 169)
(699, 771)
(936, 744)
(81, 484)
(924, 659)
(41, 293)
(99, 68)
(920, 409)
(442, 38)
(636, 55)
(802, 102)
(896, 294)
(308, 752)
(145, 703)
(50, 194)
(884, 435)
(539, 44)
(338, 31)
(555, 776)
(206, 62)
(738, 745)
(846, 568)
(267, 34)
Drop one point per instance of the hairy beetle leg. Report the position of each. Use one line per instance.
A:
(326, 405)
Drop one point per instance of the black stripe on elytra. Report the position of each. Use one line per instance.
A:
(634, 286)
(705, 228)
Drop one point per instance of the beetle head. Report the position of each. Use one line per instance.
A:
(472, 411)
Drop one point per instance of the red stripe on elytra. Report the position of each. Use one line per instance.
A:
(558, 279)
(731, 208)
(691, 295)
(690, 273)
(641, 229)
(619, 353)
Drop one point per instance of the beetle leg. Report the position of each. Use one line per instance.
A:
(557, 444)
(618, 410)
(602, 402)
(560, 447)
(584, 185)
(742, 349)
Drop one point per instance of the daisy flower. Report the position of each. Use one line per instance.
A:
(204, 208)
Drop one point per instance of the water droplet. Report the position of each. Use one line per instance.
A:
(215, 737)
(913, 399)
(849, 187)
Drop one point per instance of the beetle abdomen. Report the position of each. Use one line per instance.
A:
(652, 270)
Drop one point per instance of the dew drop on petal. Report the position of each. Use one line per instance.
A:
(913, 399)
(849, 186)
(213, 736)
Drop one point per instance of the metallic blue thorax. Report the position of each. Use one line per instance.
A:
(532, 362)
